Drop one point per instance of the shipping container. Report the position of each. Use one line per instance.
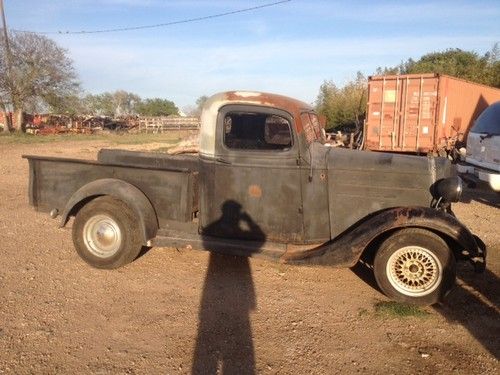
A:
(422, 113)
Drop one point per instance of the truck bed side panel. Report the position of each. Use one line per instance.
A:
(53, 181)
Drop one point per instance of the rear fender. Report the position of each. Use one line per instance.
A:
(123, 191)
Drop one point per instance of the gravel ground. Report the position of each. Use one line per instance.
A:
(180, 311)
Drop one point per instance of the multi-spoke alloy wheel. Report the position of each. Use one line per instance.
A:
(416, 266)
(414, 271)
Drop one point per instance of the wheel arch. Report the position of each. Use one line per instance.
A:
(448, 227)
(371, 248)
(118, 189)
(361, 239)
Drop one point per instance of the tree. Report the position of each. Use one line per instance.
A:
(157, 107)
(99, 104)
(343, 106)
(195, 110)
(200, 102)
(118, 103)
(69, 105)
(454, 62)
(41, 72)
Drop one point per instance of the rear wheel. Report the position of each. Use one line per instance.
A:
(415, 266)
(106, 233)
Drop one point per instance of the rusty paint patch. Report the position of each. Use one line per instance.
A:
(293, 106)
(255, 191)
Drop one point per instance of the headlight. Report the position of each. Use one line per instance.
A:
(448, 189)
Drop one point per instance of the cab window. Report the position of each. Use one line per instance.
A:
(256, 131)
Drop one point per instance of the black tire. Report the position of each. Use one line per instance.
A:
(106, 233)
(415, 266)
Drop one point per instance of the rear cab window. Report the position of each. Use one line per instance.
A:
(256, 131)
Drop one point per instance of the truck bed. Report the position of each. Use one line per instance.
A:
(148, 159)
(169, 182)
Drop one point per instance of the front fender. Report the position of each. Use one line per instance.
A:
(347, 248)
(122, 190)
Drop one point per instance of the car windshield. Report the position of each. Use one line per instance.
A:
(489, 121)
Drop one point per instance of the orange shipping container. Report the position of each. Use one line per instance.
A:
(422, 113)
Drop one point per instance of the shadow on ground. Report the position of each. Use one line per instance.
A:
(481, 193)
(224, 342)
(473, 303)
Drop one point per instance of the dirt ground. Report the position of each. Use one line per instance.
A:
(181, 311)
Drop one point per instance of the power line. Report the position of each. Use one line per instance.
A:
(196, 19)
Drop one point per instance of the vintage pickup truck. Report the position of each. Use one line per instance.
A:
(265, 183)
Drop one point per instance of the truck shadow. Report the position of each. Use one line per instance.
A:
(474, 303)
(482, 194)
(224, 341)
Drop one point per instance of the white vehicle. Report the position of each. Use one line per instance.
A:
(483, 147)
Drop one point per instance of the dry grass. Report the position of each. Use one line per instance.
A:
(113, 138)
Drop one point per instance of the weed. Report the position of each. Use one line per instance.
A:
(362, 312)
(398, 309)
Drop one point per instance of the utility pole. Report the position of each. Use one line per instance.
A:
(8, 60)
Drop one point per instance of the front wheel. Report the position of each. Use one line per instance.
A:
(106, 233)
(415, 266)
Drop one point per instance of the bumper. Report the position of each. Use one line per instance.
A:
(492, 178)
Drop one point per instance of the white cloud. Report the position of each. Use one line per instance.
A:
(293, 67)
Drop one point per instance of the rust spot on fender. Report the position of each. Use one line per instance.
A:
(255, 191)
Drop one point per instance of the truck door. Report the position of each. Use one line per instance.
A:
(253, 191)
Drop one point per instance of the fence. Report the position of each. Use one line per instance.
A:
(165, 124)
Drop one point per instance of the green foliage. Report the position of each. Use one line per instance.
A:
(343, 106)
(117, 103)
(70, 104)
(99, 104)
(200, 102)
(454, 62)
(157, 107)
(35, 74)
(398, 309)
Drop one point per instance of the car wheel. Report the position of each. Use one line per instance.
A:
(415, 266)
(106, 233)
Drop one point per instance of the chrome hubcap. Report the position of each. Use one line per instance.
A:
(414, 271)
(102, 236)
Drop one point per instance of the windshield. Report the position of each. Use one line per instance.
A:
(312, 127)
(489, 121)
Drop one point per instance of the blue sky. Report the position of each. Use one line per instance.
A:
(289, 48)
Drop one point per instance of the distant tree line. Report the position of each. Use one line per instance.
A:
(118, 103)
(345, 106)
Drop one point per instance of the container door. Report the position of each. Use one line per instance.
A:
(402, 113)
(417, 114)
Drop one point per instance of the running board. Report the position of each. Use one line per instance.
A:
(275, 251)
